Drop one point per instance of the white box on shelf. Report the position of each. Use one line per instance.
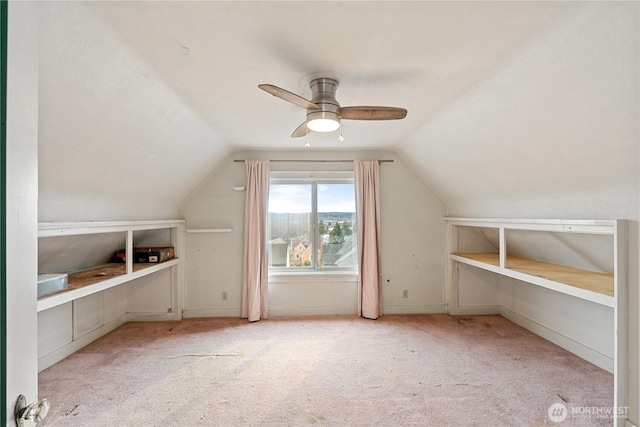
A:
(52, 282)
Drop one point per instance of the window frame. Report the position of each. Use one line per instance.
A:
(314, 178)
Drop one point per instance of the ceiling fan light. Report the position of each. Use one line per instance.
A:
(323, 125)
(323, 121)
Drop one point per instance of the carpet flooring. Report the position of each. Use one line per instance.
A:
(404, 370)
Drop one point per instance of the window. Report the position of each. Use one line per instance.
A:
(312, 221)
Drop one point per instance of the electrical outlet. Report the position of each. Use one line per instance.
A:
(405, 293)
(225, 296)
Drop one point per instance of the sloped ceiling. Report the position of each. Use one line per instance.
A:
(141, 100)
(555, 129)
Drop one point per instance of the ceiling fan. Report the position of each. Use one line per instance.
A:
(324, 112)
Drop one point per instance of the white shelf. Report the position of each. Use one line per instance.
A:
(209, 230)
(565, 288)
(499, 264)
(130, 271)
(52, 229)
(65, 296)
(607, 289)
(586, 226)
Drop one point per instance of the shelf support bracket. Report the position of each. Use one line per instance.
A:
(129, 251)
(502, 248)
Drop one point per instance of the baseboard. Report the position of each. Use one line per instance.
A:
(470, 310)
(414, 309)
(273, 311)
(190, 313)
(601, 360)
(313, 311)
(57, 355)
(152, 317)
(317, 311)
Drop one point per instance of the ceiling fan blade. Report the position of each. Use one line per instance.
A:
(288, 96)
(372, 113)
(301, 131)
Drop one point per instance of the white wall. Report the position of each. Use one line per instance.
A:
(292, 295)
(412, 243)
(555, 134)
(21, 206)
(580, 326)
(116, 143)
(64, 329)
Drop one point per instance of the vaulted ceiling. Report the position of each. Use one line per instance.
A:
(141, 100)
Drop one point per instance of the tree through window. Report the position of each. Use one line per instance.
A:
(312, 224)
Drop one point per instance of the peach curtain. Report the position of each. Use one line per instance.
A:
(255, 264)
(368, 222)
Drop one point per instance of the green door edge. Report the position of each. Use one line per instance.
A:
(3, 208)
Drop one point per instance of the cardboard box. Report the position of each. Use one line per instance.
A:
(153, 254)
(50, 283)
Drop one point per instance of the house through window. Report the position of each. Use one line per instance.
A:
(311, 221)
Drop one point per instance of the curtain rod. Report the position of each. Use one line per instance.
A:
(316, 161)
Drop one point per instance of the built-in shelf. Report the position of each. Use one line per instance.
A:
(51, 229)
(596, 286)
(548, 253)
(98, 278)
(590, 285)
(209, 230)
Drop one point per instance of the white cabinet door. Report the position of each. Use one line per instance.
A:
(87, 314)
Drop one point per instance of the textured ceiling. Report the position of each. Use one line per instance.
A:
(133, 91)
(558, 125)
(421, 56)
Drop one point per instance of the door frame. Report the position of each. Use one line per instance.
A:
(3, 211)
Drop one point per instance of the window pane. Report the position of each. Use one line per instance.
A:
(290, 240)
(336, 225)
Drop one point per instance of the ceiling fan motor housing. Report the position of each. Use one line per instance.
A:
(324, 112)
(323, 92)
